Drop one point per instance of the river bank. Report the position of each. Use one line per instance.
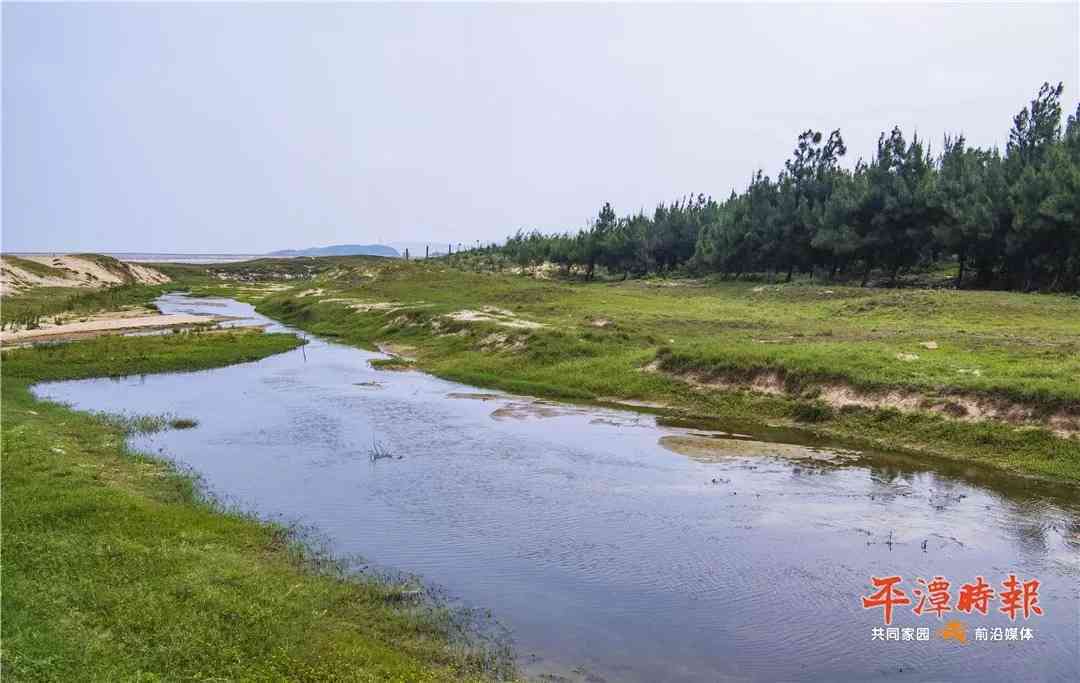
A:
(982, 377)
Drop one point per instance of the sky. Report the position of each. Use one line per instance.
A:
(245, 128)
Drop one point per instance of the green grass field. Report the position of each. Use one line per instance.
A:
(116, 569)
(595, 341)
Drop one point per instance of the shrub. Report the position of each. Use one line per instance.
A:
(815, 411)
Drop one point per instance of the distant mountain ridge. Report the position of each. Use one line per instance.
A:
(341, 250)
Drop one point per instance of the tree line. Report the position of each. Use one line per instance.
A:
(1008, 220)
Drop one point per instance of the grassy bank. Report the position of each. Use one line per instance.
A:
(912, 370)
(115, 569)
(28, 309)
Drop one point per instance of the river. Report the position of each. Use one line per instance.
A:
(615, 547)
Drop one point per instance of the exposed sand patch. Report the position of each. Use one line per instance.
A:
(339, 300)
(959, 406)
(14, 279)
(523, 410)
(399, 351)
(146, 274)
(542, 271)
(383, 306)
(400, 321)
(93, 326)
(376, 306)
(261, 287)
(499, 316)
(497, 341)
(84, 269)
(475, 396)
(437, 328)
(766, 382)
(710, 449)
(632, 420)
(72, 271)
(839, 396)
(69, 317)
(89, 269)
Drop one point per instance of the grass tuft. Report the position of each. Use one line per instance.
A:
(812, 412)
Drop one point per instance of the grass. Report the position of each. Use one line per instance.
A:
(116, 356)
(391, 364)
(256, 270)
(183, 423)
(33, 267)
(27, 308)
(596, 338)
(115, 568)
(147, 424)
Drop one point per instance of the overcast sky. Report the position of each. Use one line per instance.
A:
(251, 127)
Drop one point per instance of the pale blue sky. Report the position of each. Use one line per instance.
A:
(251, 127)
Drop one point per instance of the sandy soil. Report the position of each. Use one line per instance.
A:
(524, 410)
(400, 351)
(475, 396)
(499, 316)
(708, 449)
(106, 323)
(72, 271)
(146, 274)
(965, 407)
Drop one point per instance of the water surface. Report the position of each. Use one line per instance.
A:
(615, 547)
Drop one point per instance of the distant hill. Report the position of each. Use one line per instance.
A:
(341, 250)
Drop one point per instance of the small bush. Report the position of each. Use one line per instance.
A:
(811, 412)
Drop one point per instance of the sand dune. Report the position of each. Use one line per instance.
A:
(20, 273)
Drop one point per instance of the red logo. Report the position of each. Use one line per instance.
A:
(1017, 598)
